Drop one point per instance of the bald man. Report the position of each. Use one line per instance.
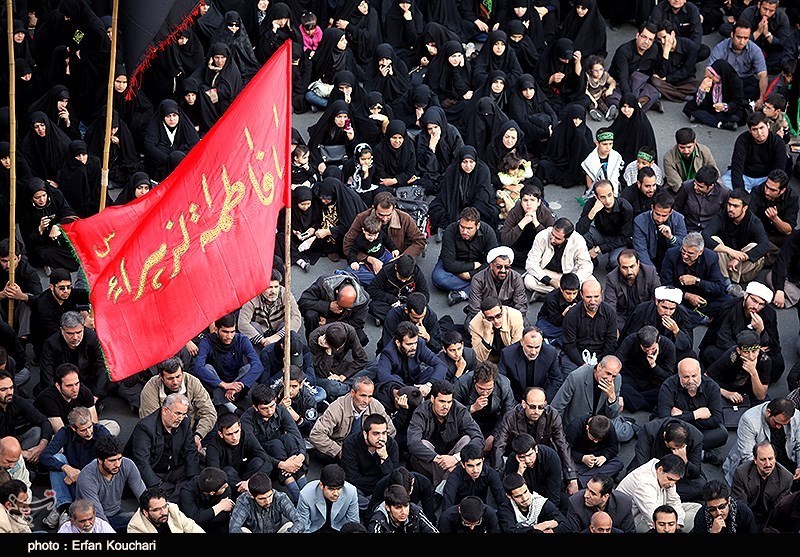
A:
(11, 460)
(589, 329)
(338, 297)
(601, 523)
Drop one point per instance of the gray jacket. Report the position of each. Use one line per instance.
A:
(457, 423)
(752, 429)
(574, 398)
(616, 291)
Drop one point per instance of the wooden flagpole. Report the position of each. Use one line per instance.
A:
(287, 306)
(12, 117)
(109, 106)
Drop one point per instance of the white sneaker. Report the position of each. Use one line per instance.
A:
(554, 205)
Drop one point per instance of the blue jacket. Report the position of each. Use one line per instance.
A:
(240, 354)
(712, 285)
(392, 366)
(78, 451)
(645, 234)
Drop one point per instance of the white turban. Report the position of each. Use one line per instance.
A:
(500, 251)
(760, 290)
(669, 293)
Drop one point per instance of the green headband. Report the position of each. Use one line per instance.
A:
(647, 157)
(750, 348)
(605, 136)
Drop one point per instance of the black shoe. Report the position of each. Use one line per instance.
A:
(455, 297)
(658, 107)
(731, 126)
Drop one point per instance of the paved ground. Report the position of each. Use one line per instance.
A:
(721, 144)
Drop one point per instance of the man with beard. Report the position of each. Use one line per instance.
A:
(531, 363)
(75, 344)
(15, 508)
(647, 360)
(696, 271)
(498, 280)
(534, 416)
(695, 399)
(368, 456)
(158, 516)
(590, 329)
(262, 318)
(227, 363)
(775, 204)
(556, 251)
(70, 450)
(162, 446)
(409, 361)
(439, 429)
(103, 481)
(172, 379)
(488, 396)
(657, 230)
(753, 311)
(740, 241)
(494, 328)
(669, 318)
(742, 371)
(629, 284)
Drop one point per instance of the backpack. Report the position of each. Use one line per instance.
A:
(411, 199)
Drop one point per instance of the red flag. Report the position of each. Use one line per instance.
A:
(147, 27)
(199, 245)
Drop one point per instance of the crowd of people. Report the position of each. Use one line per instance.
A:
(440, 122)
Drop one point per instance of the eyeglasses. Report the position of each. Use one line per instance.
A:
(720, 507)
(493, 317)
(66, 288)
(536, 406)
(233, 25)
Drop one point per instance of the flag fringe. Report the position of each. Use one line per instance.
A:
(66, 238)
(154, 50)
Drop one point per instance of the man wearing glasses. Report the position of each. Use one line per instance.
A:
(753, 311)
(162, 446)
(494, 328)
(721, 514)
(498, 280)
(776, 421)
(542, 422)
(48, 307)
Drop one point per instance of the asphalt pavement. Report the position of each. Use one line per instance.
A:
(721, 144)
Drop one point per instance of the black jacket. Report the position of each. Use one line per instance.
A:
(146, 446)
(650, 444)
(21, 415)
(546, 370)
(416, 523)
(279, 426)
(545, 476)
(672, 394)
(459, 255)
(198, 506)
(460, 485)
(361, 467)
(88, 356)
(220, 454)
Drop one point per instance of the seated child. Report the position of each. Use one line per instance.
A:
(513, 172)
(599, 86)
(556, 304)
(603, 163)
(310, 32)
(775, 109)
(377, 246)
(302, 173)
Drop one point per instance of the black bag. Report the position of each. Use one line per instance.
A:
(732, 413)
(411, 199)
(333, 154)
